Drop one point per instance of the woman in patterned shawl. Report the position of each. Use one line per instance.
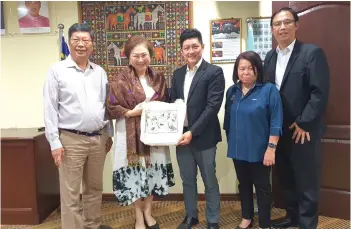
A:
(140, 171)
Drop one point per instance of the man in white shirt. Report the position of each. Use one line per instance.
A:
(201, 85)
(77, 129)
(301, 73)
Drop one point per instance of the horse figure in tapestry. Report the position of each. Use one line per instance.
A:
(155, 17)
(111, 22)
(127, 17)
(140, 9)
(160, 55)
(113, 19)
(157, 43)
(117, 53)
(139, 20)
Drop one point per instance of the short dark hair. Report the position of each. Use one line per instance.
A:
(137, 40)
(255, 61)
(293, 12)
(80, 27)
(188, 34)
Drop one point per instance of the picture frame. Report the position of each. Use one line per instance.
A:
(259, 35)
(225, 40)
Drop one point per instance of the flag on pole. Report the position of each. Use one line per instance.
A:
(64, 48)
(250, 37)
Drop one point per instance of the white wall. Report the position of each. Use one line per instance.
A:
(265, 8)
(25, 60)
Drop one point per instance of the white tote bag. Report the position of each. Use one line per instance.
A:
(162, 123)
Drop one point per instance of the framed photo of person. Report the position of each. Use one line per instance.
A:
(33, 17)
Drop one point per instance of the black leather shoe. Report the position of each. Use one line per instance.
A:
(155, 226)
(284, 222)
(188, 222)
(212, 226)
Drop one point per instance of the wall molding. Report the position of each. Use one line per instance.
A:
(177, 197)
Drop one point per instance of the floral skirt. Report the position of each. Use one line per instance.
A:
(142, 180)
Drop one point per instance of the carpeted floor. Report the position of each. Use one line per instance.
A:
(170, 213)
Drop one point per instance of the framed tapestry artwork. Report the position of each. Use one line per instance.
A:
(225, 40)
(116, 21)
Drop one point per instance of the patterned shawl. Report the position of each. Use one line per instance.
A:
(125, 92)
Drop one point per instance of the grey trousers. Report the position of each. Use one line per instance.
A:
(188, 160)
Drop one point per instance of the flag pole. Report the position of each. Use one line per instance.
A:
(60, 27)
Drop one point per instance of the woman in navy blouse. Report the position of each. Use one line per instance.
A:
(253, 123)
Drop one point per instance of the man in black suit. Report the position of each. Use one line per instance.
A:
(201, 86)
(300, 71)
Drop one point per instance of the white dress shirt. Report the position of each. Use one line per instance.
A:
(74, 99)
(282, 63)
(189, 76)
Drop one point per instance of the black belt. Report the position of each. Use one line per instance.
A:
(89, 134)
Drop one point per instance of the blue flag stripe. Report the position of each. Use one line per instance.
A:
(64, 49)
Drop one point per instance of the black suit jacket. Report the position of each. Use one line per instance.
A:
(203, 104)
(305, 86)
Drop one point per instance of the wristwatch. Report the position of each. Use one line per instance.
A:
(272, 145)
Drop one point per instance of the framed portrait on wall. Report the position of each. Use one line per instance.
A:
(259, 35)
(33, 17)
(115, 22)
(225, 40)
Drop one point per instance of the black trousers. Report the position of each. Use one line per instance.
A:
(298, 170)
(249, 174)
